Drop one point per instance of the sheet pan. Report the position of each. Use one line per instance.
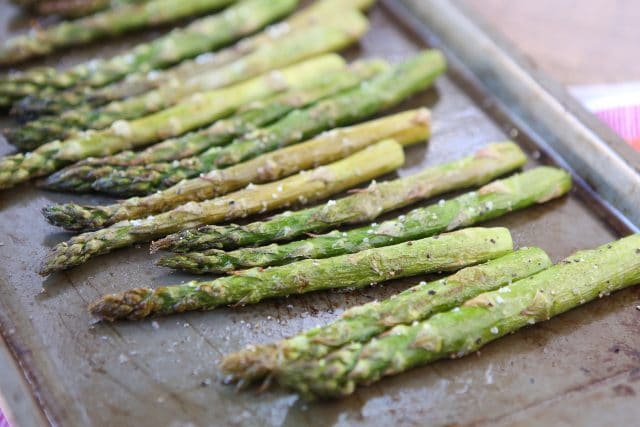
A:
(581, 368)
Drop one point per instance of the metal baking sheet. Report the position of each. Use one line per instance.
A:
(582, 368)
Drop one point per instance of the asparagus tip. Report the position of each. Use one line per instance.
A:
(170, 262)
(132, 304)
(158, 245)
(249, 364)
(75, 217)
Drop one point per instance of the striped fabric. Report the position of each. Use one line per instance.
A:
(618, 105)
(625, 121)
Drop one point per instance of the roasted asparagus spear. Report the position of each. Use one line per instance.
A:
(299, 46)
(109, 23)
(495, 199)
(72, 8)
(141, 82)
(203, 35)
(580, 278)
(450, 251)
(80, 176)
(486, 164)
(304, 187)
(405, 128)
(385, 90)
(360, 324)
(193, 113)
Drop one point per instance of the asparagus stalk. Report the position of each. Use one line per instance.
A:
(383, 91)
(141, 82)
(299, 46)
(73, 8)
(304, 187)
(68, 8)
(405, 128)
(480, 168)
(193, 113)
(360, 324)
(494, 200)
(578, 279)
(82, 175)
(109, 23)
(451, 251)
(201, 36)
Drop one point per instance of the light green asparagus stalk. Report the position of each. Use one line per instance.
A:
(109, 23)
(383, 91)
(449, 252)
(80, 176)
(578, 279)
(496, 199)
(304, 187)
(193, 113)
(299, 46)
(483, 166)
(405, 128)
(201, 36)
(359, 324)
(141, 82)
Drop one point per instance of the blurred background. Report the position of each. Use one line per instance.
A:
(574, 41)
(591, 46)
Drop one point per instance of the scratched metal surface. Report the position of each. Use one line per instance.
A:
(581, 368)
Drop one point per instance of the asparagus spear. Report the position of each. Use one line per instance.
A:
(68, 8)
(195, 112)
(383, 91)
(494, 200)
(449, 252)
(304, 187)
(582, 277)
(480, 168)
(406, 128)
(299, 46)
(82, 175)
(141, 82)
(109, 23)
(360, 324)
(202, 35)
(73, 8)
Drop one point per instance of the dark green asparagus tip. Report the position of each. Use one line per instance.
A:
(34, 134)
(134, 304)
(124, 183)
(76, 217)
(183, 241)
(28, 109)
(75, 179)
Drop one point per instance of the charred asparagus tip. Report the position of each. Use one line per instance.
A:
(133, 304)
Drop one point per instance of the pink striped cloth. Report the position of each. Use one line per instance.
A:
(625, 121)
(618, 105)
